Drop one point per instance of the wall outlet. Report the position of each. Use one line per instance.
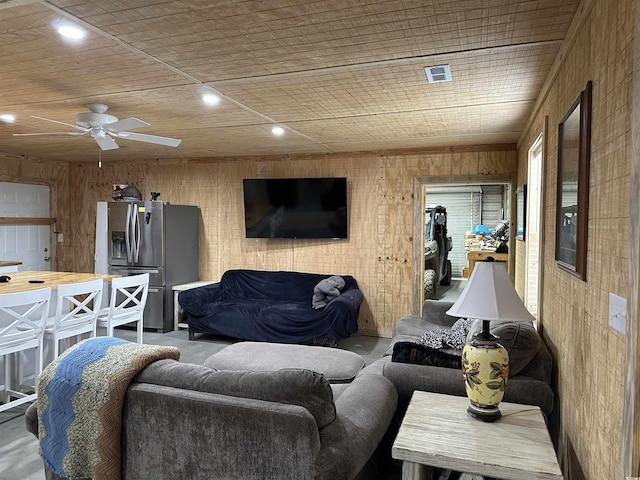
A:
(617, 313)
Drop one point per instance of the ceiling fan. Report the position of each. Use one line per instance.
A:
(104, 127)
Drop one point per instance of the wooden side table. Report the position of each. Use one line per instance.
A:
(437, 432)
(176, 306)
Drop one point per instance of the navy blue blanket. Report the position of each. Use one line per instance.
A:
(272, 307)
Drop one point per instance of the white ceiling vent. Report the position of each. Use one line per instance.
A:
(441, 73)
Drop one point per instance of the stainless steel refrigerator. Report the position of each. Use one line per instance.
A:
(157, 238)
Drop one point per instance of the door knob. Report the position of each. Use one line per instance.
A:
(46, 259)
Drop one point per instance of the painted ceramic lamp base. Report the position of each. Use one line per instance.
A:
(485, 367)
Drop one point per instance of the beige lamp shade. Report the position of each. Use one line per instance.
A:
(490, 295)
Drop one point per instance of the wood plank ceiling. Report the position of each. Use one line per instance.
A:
(338, 75)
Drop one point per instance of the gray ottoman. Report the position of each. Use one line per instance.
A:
(338, 366)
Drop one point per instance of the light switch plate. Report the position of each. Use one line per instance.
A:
(617, 313)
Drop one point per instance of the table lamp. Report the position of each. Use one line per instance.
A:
(491, 297)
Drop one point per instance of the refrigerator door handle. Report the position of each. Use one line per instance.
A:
(136, 222)
(135, 270)
(127, 234)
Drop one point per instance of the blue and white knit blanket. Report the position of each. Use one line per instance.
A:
(80, 401)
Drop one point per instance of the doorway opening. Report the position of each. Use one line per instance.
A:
(462, 198)
(534, 220)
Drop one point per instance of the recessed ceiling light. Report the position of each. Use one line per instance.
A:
(277, 131)
(210, 98)
(69, 31)
(8, 118)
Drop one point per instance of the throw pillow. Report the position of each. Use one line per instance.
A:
(293, 386)
(454, 337)
(326, 290)
(416, 353)
(519, 338)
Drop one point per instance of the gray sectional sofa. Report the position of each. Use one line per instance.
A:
(259, 410)
(191, 421)
(530, 362)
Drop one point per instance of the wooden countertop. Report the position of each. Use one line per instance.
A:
(7, 263)
(20, 280)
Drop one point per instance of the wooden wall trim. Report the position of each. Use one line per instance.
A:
(631, 412)
(26, 221)
(418, 245)
(542, 226)
(481, 147)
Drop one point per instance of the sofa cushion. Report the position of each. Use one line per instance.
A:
(293, 386)
(338, 366)
(519, 338)
(435, 312)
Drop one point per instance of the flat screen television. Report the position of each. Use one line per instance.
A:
(295, 207)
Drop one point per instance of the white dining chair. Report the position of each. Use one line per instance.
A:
(77, 308)
(22, 319)
(126, 304)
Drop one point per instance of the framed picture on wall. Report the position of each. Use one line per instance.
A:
(574, 150)
(521, 212)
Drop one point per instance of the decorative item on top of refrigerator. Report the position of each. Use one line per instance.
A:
(157, 238)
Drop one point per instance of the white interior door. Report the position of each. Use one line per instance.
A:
(29, 244)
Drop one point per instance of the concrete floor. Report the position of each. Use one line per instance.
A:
(451, 292)
(19, 457)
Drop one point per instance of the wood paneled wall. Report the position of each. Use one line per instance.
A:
(590, 354)
(378, 252)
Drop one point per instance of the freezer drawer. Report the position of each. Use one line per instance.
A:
(154, 309)
(153, 316)
(156, 274)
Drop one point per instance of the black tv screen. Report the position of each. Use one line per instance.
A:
(295, 207)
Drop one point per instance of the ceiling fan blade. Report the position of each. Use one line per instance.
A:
(106, 142)
(141, 137)
(125, 124)
(62, 123)
(49, 133)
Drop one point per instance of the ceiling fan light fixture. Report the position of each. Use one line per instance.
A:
(8, 118)
(103, 127)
